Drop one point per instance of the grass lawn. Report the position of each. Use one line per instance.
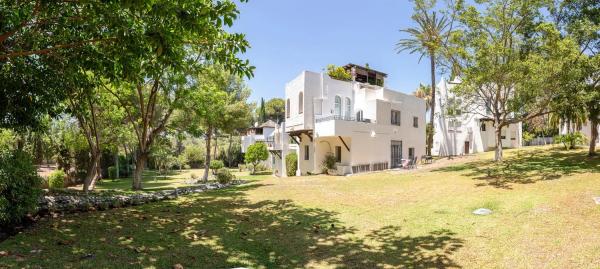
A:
(543, 216)
(152, 181)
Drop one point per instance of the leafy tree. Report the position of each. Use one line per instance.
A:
(427, 40)
(218, 102)
(515, 61)
(255, 154)
(275, 109)
(580, 20)
(262, 111)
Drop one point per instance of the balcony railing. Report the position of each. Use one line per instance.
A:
(339, 117)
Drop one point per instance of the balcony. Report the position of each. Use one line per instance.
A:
(272, 144)
(342, 118)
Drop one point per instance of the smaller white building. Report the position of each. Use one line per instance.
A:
(277, 141)
(465, 132)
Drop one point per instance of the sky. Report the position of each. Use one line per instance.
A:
(289, 36)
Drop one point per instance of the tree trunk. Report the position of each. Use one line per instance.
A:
(432, 111)
(117, 165)
(92, 175)
(229, 161)
(593, 137)
(140, 163)
(207, 159)
(498, 153)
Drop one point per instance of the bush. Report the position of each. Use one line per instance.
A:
(224, 176)
(112, 172)
(193, 176)
(56, 180)
(291, 164)
(216, 165)
(329, 162)
(256, 153)
(571, 140)
(260, 167)
(19, 187)
(242, 167)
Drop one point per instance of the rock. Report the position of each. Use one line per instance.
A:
(178, 266)
(482, 211)
(596, 200)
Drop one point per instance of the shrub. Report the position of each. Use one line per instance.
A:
(329, 162)
(256, 153)
(338, 72)
(56, 180)
(19, 187)
(242, 167)
(224, 176)
(571, 140)
(216, 165)
(291, 164)
(112, 172)
(193, 176)
(260, 167)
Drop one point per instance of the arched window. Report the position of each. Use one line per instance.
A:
(338, 106)
(359, 115)
(300, 103)
(287, 108)
(348, 113)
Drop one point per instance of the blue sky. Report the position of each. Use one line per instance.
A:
(288, 36)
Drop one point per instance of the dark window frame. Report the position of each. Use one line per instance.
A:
(338, 154)
(396, 120)
(306, 152)
(416, 122)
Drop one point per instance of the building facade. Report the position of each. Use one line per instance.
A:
(585, 129)
(464, 132)
(363, 124)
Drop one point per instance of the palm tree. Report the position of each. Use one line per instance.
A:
(426, 39)
(424, 92)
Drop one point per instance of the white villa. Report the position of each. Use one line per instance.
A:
(265, 133)
(466, 132)
(365, 125)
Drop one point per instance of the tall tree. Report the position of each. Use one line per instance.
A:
(262, 112)
(275, 109)
(515, 61)
(427, 40)
(218, 102)
(150, 76)
(580, 20)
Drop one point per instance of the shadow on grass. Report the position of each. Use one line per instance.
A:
(223, 229)
(528, 167)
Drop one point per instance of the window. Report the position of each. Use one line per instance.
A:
(416, 122)
(395, 117)
(306, 153)
(300, 103)
(338, 154)
(483, 126)
(348, 108)
(411, 153)
(287, 108)
(338, 106)
(359, 115)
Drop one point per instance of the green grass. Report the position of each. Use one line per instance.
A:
(153, 181)
(381, 220)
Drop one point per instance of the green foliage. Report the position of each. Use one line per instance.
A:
(528, 137)
(259, 167)
(56, 179)
(275, 109)
(112, 172)
(256, 153)
(329, 161)
(338, 72)
(224, 176)
(571, 140)
(194, 155)
(19, 186)
(216, 165)
(291, 164)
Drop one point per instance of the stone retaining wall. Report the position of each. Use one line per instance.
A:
(64, 203)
